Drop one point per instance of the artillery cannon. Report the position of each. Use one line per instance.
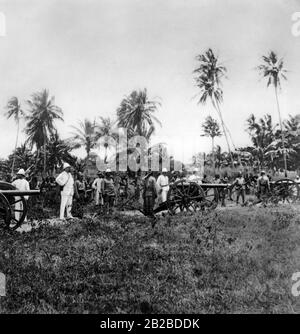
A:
(11, 215)
(183, 196)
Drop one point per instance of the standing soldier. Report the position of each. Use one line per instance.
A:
(163, 185)
(239, 183)
(97, 186)
(149, 194)
(81, 188)
(263, 185)
(108, 191)
(66, 182)
(23, 185)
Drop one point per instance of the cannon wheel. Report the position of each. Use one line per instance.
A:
(5, 212)
(17, 212)
(285, 190)
(210, 200)
(189, 197)
(182, 196)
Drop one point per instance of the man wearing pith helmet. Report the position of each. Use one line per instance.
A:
(66, 182)
(23, 185)
(163, 185)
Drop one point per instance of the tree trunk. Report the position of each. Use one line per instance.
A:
(45, 159)
(213, 154)
(16, 145)
(282, 134)
(37, 158)
(224, 131)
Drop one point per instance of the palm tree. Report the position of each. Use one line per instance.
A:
(208, 80)
(24, 158)
(211, 129)
(85, 135)
(105, 129)
(58, 151)
(292, 129)
(272, 69)
(14, 110)
(40, 121)
(262, 133)
(136, 114)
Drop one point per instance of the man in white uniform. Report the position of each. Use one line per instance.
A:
(23, 185)
(163, 185)
(66, 181)
(98, 185)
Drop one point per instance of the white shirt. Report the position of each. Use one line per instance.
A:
(194, 178)
(66, 180)
(22, 185)
(163, 182)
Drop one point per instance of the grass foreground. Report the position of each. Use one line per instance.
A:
(237, 260)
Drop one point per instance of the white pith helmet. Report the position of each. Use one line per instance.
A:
(21, 172)
(66, 165)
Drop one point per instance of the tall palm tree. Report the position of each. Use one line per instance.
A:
(85, 136)
(14, 110)
(272, 69)
(209, 74)
(136, 114)
(211, 129)
(40, 121)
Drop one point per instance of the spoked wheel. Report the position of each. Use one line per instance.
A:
(184, 197)
(210, 199)
(18, 211)
(285, 191)
(5, 212)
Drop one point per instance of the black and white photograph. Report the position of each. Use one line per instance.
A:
(149, 159)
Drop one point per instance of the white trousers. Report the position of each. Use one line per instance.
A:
(98, 198)
(163, 195)
(66, 205)
(19, 207)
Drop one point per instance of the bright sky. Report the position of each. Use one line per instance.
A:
(91, 53)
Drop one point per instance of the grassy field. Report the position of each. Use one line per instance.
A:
(235, 260)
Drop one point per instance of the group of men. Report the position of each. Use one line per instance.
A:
(103, 186)
(262, 185)
(154, 190)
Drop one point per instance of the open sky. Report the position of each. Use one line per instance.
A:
(91, 53)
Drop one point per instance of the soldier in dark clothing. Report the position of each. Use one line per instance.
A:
(149, 194)
(109, 193)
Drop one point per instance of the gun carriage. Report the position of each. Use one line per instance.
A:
(13, 205)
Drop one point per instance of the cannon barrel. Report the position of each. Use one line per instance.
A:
(214, 185)
(20, 193)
